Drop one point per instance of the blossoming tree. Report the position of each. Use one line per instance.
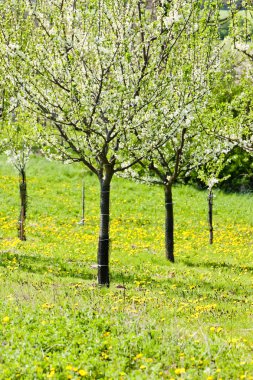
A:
(18, 153)
(15, 139)
(189, 75)
(93, 73)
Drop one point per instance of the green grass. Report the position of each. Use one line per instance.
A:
(190, 320)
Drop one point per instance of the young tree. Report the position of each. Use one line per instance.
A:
(211, 155)
(210, 173)
(93, 73)
(18, 148)
(14, 140)
(189, 77)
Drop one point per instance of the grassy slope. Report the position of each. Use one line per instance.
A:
(191, 320)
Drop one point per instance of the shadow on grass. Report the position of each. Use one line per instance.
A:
(84, 271)
(43, 265)
(218, 265)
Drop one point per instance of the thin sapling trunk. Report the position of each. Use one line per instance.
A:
(210, 215)
(83, 204)
(23, 205)
(169, 223)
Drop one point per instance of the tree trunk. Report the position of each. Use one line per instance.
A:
(169, 223)
(103, 245)
(210, 216)
(23, 205)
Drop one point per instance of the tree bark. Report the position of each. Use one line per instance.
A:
(103, 245)
(23, 205)
(169, 223)
(210, 216)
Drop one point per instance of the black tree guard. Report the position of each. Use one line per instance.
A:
(23, 205)
(210, 216)
(103, 246)
(169, 223)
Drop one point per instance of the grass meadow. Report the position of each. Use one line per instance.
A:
(188, 320)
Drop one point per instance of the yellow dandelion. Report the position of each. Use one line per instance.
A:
(138, 356)
(83, 373)
(179, 371)
(6, 319)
